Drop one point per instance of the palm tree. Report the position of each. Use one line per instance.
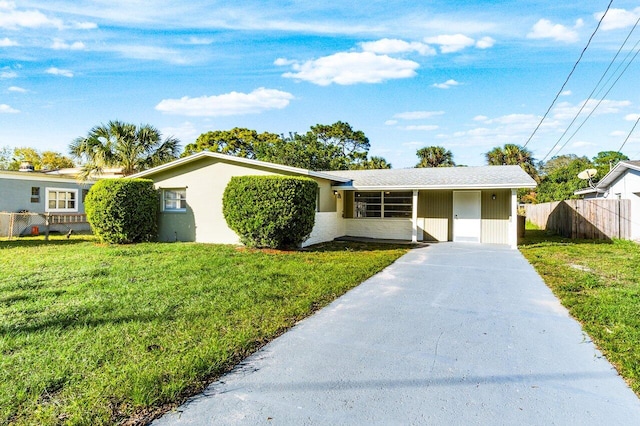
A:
(435, 156)
(512, 154)
(130, 147)
(373, 163)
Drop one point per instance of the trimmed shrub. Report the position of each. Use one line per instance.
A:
(123, 211)
(271, 211)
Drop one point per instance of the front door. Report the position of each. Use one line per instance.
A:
(466, 216)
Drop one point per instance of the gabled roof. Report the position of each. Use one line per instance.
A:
(617, 171)
(240, 160)
(480, 177)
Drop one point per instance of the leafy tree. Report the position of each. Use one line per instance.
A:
(557, 162)
(239, 142)
(54, 160)
(512, 154)
(118, 144)
(25, 154)
(435, 156)
(605, 160)
(353, 144)
(563, 181)
(373, 163)
(5, 157)
(304, 151)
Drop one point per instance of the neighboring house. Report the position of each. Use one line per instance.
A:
(35, 192)
(622, 182)
(473, 204)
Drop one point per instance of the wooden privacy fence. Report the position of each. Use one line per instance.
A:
(590, 219)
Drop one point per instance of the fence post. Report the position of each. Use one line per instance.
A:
(47, 217)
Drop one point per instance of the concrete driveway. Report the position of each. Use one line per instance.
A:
(450, 334)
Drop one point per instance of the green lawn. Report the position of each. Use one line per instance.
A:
(95, 334)
(599, 282)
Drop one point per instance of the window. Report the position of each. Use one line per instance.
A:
(174, 200)
(62, 200)
(35, 194)
(383, 204)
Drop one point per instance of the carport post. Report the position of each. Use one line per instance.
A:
(414, 218)
(513, 224)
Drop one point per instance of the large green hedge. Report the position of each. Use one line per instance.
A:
(271, 211)
(123, 211)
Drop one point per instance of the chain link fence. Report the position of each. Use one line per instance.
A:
(14, 225)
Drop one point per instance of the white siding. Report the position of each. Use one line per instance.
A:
(395, 229)
(628, 185)
(328, 226)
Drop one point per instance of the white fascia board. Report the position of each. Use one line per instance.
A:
(427, 187)
(42, 177)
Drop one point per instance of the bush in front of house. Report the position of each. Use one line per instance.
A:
(123, 211)
(270, 211)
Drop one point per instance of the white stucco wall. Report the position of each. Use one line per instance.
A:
(395, 229)
(627, 186)
(328, 226)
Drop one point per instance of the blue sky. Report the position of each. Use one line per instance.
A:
(466, 75)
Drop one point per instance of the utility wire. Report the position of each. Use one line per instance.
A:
(569, 76)
(629, 135)
(598, 104)
(575, 118)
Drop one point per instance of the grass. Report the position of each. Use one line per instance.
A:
(95, 334)
(599, 282)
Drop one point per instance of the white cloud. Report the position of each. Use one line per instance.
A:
(12, 19)
(199, 40)
(546, 29)
(84, 25)
(186, 132)
(447, 84)
(618, 18)
(149, 53)
(7, 72)
(284, 62)
(346, 68)
(60, 72)
(17, 89)
(391, 122)
(566, 110)
(451, 43)
(417, 115)
(480, 118)
(233, 103)
(389, 46)
(582, 144)
(59, 44)
(7, 42)
(566, 93)
(632, 117)
(6, 109)
(423, 127)
(485, 43)
(618, 133)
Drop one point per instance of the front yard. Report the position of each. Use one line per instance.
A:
(94, 334)
(599, 282)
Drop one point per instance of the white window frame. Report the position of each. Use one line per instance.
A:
(382, 205)
(57, 191)
(182, 200)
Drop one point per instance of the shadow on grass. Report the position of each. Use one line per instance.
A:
(540, 236)
(57, 240)
(374, 245)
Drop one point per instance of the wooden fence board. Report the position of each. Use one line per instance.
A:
(590, 219)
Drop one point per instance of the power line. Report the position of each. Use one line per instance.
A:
(629, 135)
(599, 102)
(569, 76)
(575, 118)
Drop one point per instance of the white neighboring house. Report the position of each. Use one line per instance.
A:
(623, 183)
